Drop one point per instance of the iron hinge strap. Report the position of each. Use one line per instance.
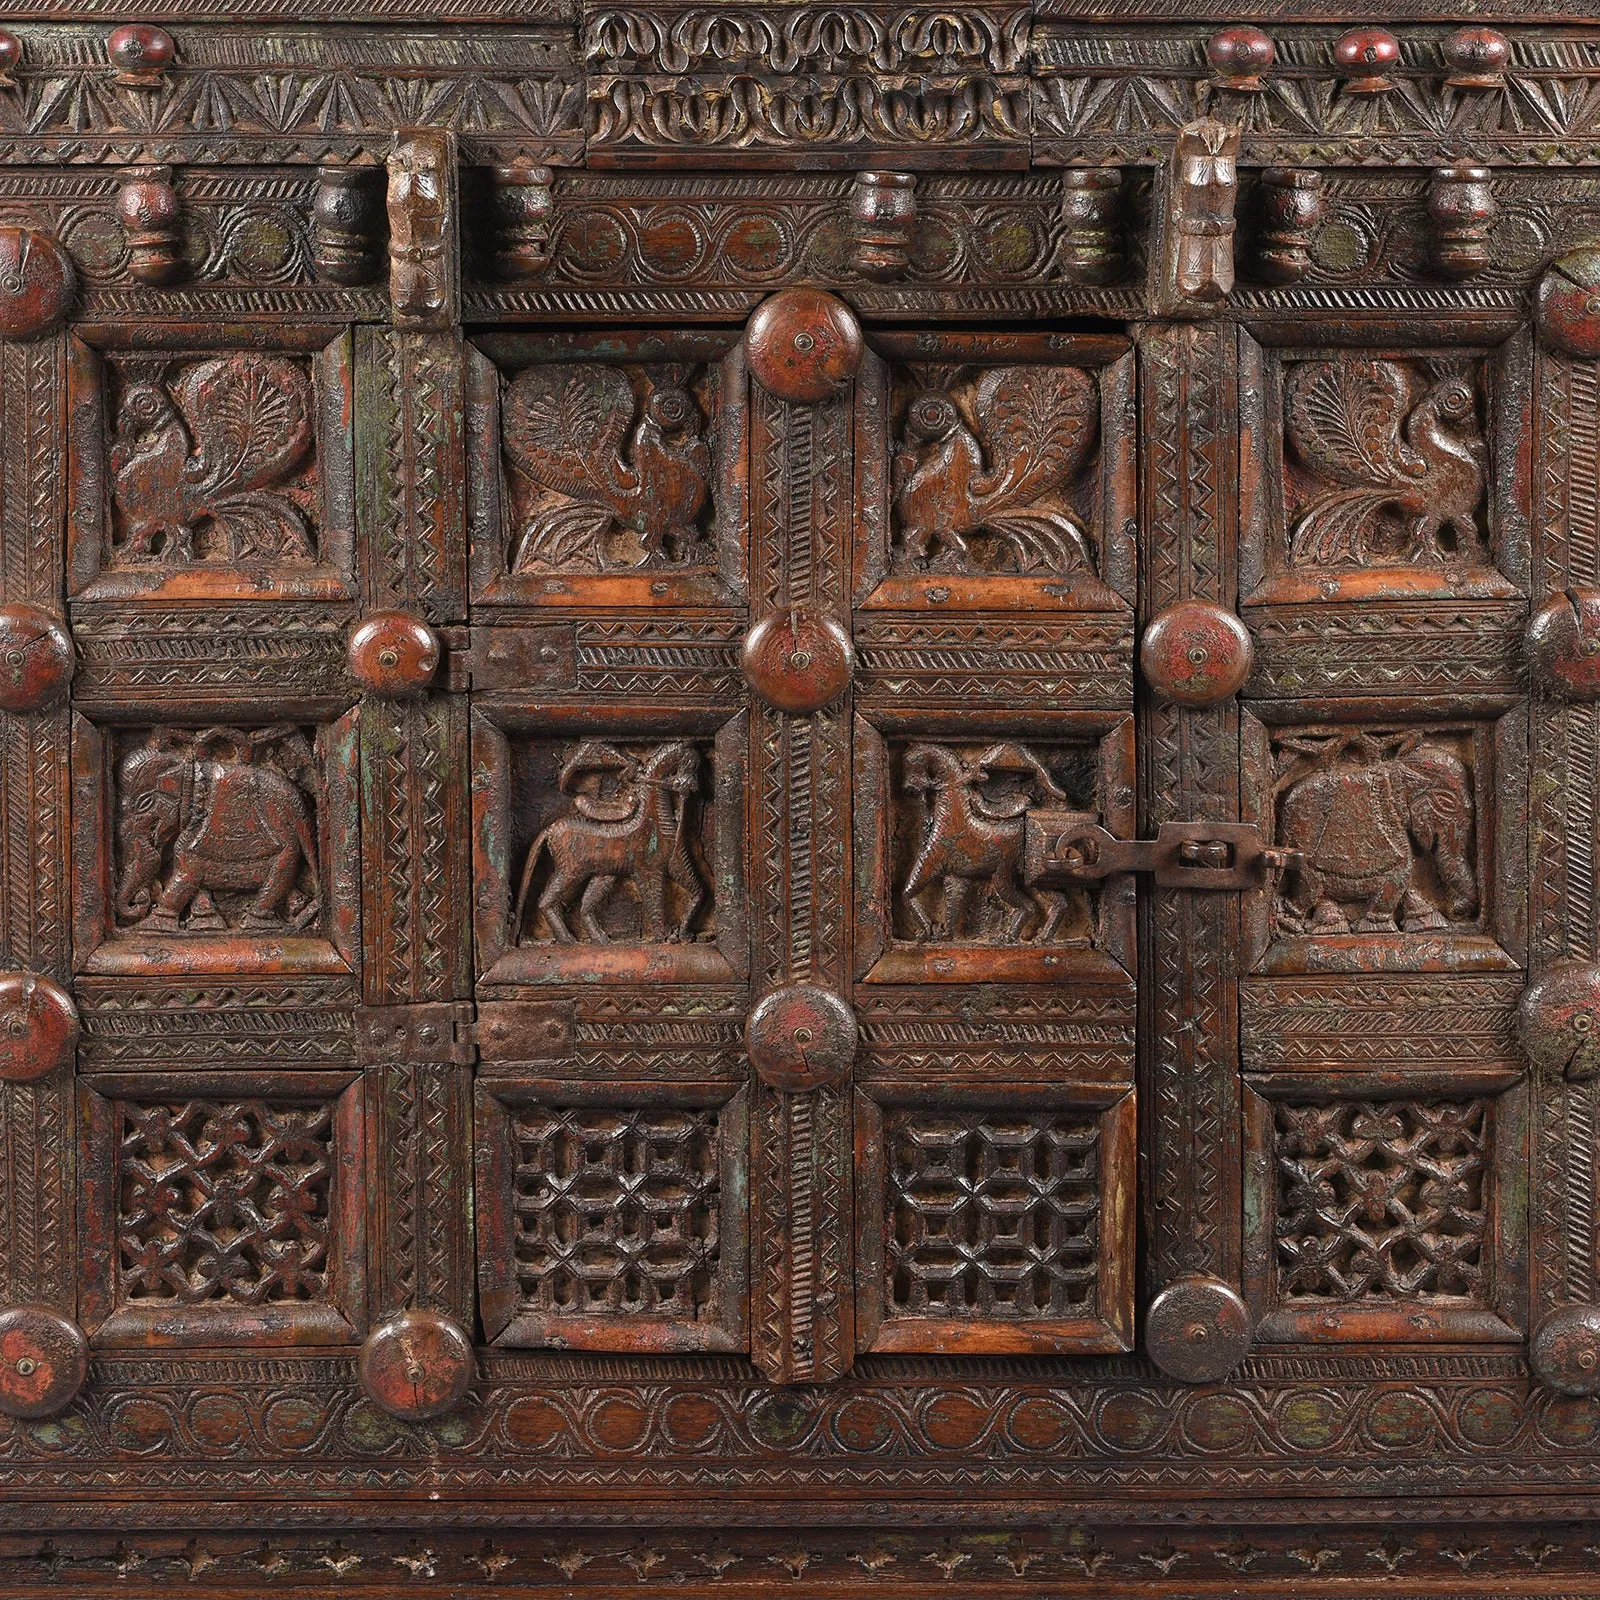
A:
(1066, 848)
(439, 1033)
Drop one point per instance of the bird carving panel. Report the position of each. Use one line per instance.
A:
(609, 468)
(989, 468)
(1390, 462)
(212, 462)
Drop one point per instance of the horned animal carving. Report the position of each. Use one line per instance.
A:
(974, 808)
(1369, 814)
(630, 824)
(221, 811)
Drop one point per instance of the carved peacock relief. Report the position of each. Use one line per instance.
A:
(1397, 464)
(985, 469)
(608, 470)
(208, 462)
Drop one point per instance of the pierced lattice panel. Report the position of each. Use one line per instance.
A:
(1382, 1200)
(223, 1201)
(992, 1215)
(617, 1211)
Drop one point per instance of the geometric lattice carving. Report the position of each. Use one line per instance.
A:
(992, 1215)
(224, 1201)
(617, 1211)
(1381, 1200)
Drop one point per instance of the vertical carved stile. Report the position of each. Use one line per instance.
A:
(801, 522)
(1564, 772)
(32, 472)
(1189, 999)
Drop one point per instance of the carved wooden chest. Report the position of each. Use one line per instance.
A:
(798, 799)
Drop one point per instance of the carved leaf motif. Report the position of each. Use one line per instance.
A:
(250, 418)
(564, 428)
(1344, 418)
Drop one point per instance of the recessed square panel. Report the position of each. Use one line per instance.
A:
(940, 817)
(211, 473)
(993, 1220)
(1381, 1211)
(598, 478)
(1406, 841)
(606, 856)
(612, 1220)
(219, 1209)
(1380, 477)
(216, 848)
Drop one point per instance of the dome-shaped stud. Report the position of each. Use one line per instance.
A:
(393, 653)
(798, 661)
(1197, 1329)
(1196, 654)
(1558, 1022)
(35, 659)
(1240, 56)
(37, 283)
(1566, 307)
(1475, 57)
(1564, 1351)
(1364, 57)
(801, 1037)
(44, 1360)
(803, 345)
(10, 58)
(140, 54)
(1563, 644)
(38, 1027)
(416, 1365)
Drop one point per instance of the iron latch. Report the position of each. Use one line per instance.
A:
(1067, 848)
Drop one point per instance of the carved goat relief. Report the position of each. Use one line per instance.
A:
(625, 860)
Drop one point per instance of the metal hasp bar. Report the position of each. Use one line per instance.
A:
(1063, 848)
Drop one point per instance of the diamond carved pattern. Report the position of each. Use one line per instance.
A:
(224, 1201)
(1382, 1200)
(992, 1215)
(617, 1211)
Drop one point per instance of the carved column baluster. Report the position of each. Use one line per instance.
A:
(151, 215)
(347, 222)
(883, 216)
(1461, 210)
(1292, 207)
(524, 209)
(1091, 234)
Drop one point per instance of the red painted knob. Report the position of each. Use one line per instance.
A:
(36, 659)
(393, 652)
(416, 1365)
(1567, 304)
(10, 54)
(1565, 1350)
(1195, 653)
(1239, 55)
(37, 283)
(801, 1037)
(1558, 1021)
(798, 661)
(1364, 57)
(1476, 58)
(1564, 644)
(43, 1361)
(140, 53)
(1197, 1330)
(803, 345)
(38, 1026)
